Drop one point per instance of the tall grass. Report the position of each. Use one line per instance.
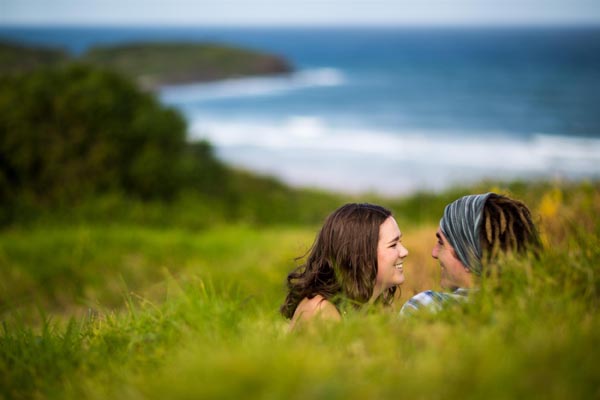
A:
(75, 268)
(198, 317)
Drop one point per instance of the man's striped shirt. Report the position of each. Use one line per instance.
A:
(433, 301)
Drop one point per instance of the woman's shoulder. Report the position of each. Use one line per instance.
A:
(317, 306)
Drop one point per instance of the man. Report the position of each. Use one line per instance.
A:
(474, 231)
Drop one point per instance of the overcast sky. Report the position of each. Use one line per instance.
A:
(299, 12)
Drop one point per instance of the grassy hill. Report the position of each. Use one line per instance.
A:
(123, 310)
(155, 64)
(152, 64)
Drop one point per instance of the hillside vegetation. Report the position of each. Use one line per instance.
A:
(156, 64)
(151, 65)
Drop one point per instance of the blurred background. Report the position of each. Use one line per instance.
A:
(382, 96)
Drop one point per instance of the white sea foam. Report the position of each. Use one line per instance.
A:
(251, 86)
(437, 147)
(306, 150)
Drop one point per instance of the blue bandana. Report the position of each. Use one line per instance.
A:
(461, 225)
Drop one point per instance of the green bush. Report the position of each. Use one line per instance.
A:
(70, 133)
(78, 130)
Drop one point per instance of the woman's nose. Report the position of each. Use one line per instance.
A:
(403, 251)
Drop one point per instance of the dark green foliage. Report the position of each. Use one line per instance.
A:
(200, 169)
(16, 58)
(70, 133)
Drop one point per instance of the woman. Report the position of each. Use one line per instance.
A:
(356, 258)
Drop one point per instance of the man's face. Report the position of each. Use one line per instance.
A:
(454, 273)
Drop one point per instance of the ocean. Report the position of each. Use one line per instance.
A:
(390, 110)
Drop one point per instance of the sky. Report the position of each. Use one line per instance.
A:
(299, 12)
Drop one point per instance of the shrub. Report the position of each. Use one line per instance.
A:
(74, 132)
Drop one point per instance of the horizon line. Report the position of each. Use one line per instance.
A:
(187, 25)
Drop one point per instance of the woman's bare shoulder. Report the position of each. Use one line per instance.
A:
(317, 306)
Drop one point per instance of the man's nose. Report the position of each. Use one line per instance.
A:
(434, 252)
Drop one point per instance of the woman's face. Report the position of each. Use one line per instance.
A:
(390, 257)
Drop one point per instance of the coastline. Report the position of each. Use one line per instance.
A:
(152, 64)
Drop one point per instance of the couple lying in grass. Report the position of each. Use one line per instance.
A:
(357, 257)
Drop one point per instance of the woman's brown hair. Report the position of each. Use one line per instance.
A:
(342, 262)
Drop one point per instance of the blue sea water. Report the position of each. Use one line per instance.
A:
(390, 110)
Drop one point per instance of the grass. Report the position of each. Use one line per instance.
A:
(86, 266)
(130, 311)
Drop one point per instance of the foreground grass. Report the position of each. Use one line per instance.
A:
(177, 313)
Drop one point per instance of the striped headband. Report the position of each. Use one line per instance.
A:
(461, 225)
